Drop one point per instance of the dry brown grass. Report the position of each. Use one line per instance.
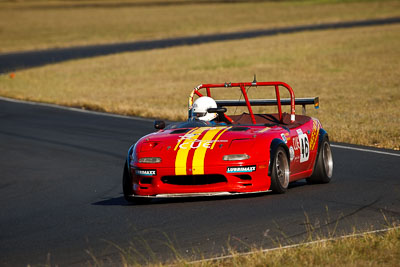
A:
(28, 25)
(355, 72)
(368, 250)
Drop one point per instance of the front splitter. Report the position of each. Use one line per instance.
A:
(208, 194)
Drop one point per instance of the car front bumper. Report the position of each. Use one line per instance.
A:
(216, 181)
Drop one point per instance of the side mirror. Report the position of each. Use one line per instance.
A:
(159, 125)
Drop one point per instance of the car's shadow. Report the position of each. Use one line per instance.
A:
(120, 200)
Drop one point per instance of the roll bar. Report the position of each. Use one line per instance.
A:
(248, 102)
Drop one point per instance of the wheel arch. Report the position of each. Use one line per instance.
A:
(321, 135)
(275, 144)
(128, 155)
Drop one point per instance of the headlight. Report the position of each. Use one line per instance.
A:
(236, 157)
(150, 160)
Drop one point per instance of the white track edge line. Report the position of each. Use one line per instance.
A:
(98, 113)
(366, 150)
(296, 245)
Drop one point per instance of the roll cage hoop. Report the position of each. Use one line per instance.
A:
(258, 102)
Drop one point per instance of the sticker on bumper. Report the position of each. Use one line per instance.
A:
(241, 169)
(146, 172)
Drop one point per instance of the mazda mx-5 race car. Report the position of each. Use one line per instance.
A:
(213, 153)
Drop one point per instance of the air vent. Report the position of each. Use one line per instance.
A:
(146, 180)
(180, 131)
(239, 129)
(194, 179)
(244, 176)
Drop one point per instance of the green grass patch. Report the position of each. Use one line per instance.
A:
(26, 25)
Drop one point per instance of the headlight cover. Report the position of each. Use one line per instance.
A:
(150, 160)
(233, 157)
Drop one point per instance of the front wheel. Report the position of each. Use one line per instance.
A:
(127, 184)
(127, 187)
(323, 169)
(280, 172)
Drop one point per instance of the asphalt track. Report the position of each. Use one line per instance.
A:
(23, 60)
(61, 196)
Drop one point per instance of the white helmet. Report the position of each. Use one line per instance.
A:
(200, 107)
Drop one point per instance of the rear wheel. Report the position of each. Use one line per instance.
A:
(323, 169)
(280, 172)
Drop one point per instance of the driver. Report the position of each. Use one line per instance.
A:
(200, 107)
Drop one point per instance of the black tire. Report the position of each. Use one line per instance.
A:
(323, 168)
(127, 184)
(280, 171)
(128, 190)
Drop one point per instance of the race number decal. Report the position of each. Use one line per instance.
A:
(304, 148)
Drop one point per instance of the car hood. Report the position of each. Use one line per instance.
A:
(201, 145)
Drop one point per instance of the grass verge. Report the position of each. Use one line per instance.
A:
(40, 24)
(353, 71)
(375, 248)
(366, 250)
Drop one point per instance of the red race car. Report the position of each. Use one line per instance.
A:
(213, 153)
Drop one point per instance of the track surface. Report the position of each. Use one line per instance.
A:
(60, 195)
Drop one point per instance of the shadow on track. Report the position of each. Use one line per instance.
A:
(23, 60)
(137, 4)
(120, 201)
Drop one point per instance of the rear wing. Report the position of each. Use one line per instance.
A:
(270, 102)
(256, 102)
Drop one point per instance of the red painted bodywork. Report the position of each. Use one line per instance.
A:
(209, 173)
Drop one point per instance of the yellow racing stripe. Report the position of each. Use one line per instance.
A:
(264, 130)
(219, 135)
(205, 143)
(185, 137)
(184, 148)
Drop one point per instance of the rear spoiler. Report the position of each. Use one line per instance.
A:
(270, 102)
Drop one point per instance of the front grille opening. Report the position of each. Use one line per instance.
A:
(194, 179)
(146, 180)
(245, 177)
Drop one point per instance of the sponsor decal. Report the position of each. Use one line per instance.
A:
(284, 138)
(301, 143)
(304, 148)
(191, 141)
(314, 134)
(291, 152)
(189, 136)
(146, 172)
(200, 143)
(200, 140)
(241, 169)
(296, 143)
